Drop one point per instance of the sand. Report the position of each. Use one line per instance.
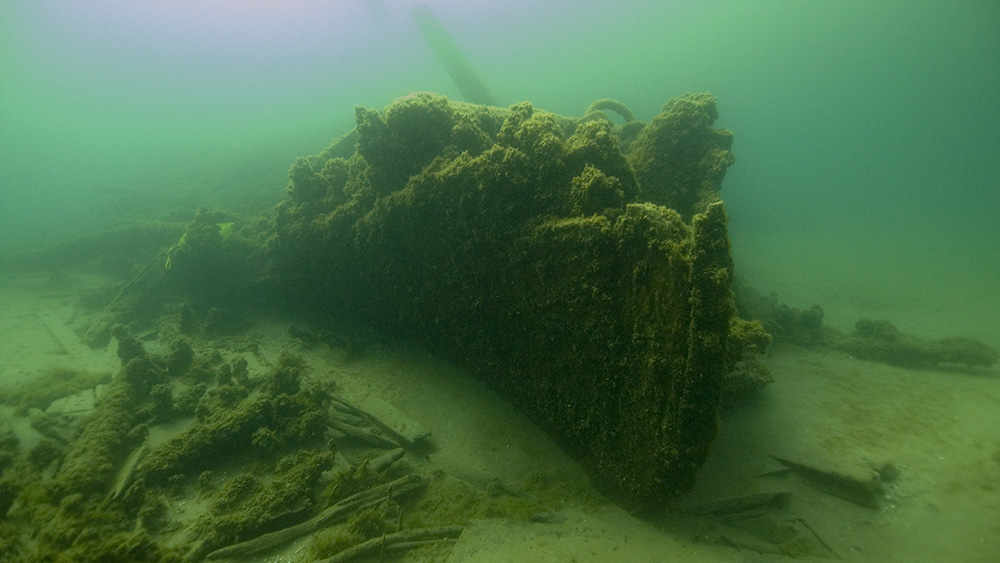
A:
(937, 427)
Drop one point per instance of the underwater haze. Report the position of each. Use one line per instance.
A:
(866, 182)
(865, 132)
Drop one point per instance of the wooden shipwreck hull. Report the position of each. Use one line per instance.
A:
(581, 267)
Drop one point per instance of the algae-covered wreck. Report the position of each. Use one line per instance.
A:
(582, 268)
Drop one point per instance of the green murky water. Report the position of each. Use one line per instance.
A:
(867, 174)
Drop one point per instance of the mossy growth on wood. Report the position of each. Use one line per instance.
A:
(531, 249)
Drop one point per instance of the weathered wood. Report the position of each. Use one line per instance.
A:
(382, 462)
(866, 491)
(361, 434)
(398, 541)
(335, 513)
(529, 253)
(389, 420)
(126, 475)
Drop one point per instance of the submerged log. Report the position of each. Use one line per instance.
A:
(520, 245)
